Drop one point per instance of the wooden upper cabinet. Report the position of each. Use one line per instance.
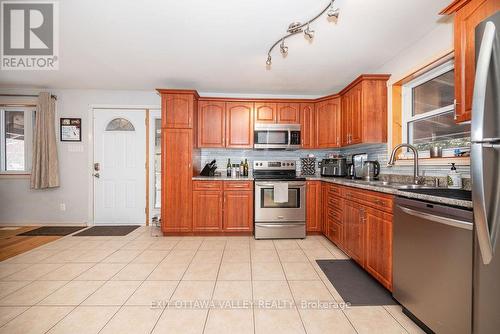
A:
(357, 121)
(176, 204)
(328, 125)
(352, 117)
(211, 123)
(239, 124)
(288, 113)
(238, 211)
(364, 110)
(307, 125)
(178, 109)
(270, 112)
(468, 14)
(379, 246)
(265, 112)
(313, 206)
(346, 119)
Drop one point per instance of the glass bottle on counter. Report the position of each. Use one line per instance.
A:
(245, 168)
(228, 168)
(242, 169)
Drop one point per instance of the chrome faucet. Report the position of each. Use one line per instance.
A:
(416, 178)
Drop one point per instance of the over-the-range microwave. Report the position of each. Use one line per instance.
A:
(276, 137)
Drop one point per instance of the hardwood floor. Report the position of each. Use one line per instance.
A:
(12, 245)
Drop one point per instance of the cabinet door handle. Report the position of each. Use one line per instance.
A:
(455, 109)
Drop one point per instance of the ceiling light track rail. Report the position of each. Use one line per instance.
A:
(296, 27)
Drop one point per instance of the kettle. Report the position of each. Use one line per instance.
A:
(371, 170)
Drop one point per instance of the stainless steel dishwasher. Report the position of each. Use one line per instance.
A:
(432, 264)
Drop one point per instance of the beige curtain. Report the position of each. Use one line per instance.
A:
(45, 165)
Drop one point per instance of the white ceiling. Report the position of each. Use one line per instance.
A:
(221, 45)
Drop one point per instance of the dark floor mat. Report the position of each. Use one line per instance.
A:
(354, 284)
(52, 231)
(107, 231)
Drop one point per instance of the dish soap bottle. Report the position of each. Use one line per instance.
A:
(454, 178)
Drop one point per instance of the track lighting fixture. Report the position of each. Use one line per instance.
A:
(297, 27)
(283, 48)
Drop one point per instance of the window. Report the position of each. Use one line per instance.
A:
(429, 110)
(16, 133)
(120, 124)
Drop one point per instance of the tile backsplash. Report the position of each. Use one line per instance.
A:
(375, 152)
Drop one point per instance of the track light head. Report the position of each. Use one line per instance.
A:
(283, 48)
(333, 13)
(268, 61)
(308, 32)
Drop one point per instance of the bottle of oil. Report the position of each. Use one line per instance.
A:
(245, 168)
(228, 168)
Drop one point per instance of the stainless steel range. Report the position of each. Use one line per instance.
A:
(280, 200)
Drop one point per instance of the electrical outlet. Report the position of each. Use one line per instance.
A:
(62, 206)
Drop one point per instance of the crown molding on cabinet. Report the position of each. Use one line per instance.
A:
(382, 77)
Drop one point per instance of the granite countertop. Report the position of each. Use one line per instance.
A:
(372, 185)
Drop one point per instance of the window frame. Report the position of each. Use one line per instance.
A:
(407, 98)
(29, 125)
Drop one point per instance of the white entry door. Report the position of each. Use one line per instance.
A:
(119, 167)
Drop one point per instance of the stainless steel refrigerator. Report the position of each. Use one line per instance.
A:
(485, 170)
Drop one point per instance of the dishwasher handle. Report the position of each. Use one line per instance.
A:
(438, 219)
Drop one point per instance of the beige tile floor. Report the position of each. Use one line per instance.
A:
(109, 285)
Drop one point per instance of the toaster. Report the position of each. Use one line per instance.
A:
(335, 167)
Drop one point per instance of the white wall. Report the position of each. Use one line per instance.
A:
(20, 205)
(436, 43)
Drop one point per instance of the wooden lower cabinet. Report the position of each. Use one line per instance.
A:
(324, 207)
(238, 211)
(222, 206)
(336, 233)
(360, 223)
(354, 231)
(313, 206)
(378, 227)
(207, 210)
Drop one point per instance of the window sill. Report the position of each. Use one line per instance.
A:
(444, 161)
(15, 175)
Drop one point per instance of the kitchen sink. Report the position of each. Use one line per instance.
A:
(413, 186)
(402, 186)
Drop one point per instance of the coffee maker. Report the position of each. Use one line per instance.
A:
(355, 165)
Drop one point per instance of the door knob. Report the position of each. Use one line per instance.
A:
(96, 175)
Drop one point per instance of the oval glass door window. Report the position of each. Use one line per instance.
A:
(120, 124)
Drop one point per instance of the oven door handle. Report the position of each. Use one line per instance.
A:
(280, 225)
(267, 184)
